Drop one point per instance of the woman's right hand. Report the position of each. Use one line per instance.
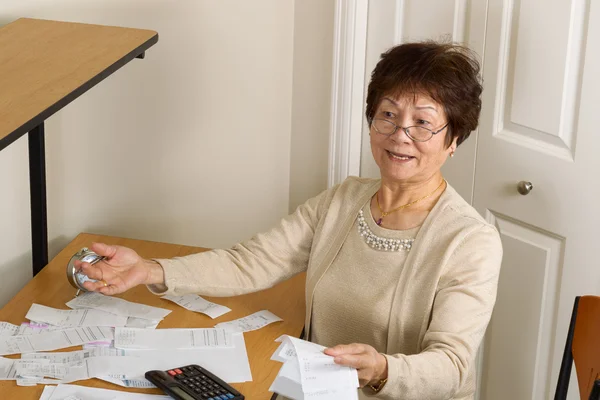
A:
(120, 270)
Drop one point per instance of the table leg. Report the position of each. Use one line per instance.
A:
(37, 190)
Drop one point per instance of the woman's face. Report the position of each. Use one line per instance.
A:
(399, 157)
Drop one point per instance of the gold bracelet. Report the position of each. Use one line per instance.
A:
(380, 385)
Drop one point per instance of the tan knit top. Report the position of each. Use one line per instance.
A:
(439, 301)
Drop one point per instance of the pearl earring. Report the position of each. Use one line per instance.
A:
(451, 154)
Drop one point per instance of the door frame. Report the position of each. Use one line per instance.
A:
(348, 85)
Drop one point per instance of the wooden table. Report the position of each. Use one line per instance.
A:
(45, 65)
(51, 288)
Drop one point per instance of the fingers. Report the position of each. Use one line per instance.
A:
(105, 250)
(102, 287)
(352, 360)
(354, 348)
(110, 290)
(92, 271)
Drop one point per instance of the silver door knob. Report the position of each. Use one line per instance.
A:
(524, 187)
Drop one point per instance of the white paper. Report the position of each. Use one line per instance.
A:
(128, 383)
(73, 357)
(47, 392)
(118, 306)
(284, 352)
(71, 392)
(309, 373)
(136, 338)
(195, 303)
(74, 318)
(53, 340)
(7, 369)
(228, 363)
(8, 329)
(250, 323)
(133, 322)
(31, 328)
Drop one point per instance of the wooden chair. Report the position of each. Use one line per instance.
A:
(583, 348)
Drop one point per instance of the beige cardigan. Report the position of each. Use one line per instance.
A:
(443, 301)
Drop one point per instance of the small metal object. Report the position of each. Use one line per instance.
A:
(77, 278)
(524, 187)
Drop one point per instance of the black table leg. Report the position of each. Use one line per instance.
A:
(37, 190)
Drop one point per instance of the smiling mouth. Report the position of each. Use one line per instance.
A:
(399, 156)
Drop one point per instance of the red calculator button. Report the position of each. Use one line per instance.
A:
(171, 372)
(179, 371)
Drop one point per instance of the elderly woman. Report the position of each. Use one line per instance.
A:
(402, 272)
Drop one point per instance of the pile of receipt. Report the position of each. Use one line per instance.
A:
(308, 373)
(120, 343)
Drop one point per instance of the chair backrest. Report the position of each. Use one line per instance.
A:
(582, 348)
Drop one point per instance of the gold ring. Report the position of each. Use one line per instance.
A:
(104, 282)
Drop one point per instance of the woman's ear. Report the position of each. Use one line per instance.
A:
(453, 146)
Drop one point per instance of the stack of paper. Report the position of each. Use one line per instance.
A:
(308, 373)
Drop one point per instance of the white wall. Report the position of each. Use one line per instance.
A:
(191, 145)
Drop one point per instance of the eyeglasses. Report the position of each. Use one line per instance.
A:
(416, 133)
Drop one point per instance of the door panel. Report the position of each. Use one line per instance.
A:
(525, 311)
(539, 124)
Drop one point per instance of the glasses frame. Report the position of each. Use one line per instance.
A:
(406, 129)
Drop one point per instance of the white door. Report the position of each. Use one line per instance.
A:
(540, 123)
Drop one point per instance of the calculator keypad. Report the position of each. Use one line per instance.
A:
(194, 379)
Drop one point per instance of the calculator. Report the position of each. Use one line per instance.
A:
(192, 382)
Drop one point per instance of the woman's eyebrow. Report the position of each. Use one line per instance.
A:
(426, 107)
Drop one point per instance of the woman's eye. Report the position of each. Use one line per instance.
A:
(388, 114)
(422, 122)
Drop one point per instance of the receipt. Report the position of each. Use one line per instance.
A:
(250, 323)
(133, 322)
(318, 370)
(75, 392)
(73, 318)
(7, 368)
(73, 357)
(193, 302)
(308, 373)
(117, 306)
(53, 340)
(8, 329)
(135, 338)
(285, 352)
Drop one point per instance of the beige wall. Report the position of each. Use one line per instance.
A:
(200, 143)
(311, 105)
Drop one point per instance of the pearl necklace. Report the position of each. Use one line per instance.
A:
(381, 243)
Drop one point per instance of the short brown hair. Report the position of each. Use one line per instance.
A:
(446, 72)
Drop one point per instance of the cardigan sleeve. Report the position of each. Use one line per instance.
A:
(256, 264)
(461, 312)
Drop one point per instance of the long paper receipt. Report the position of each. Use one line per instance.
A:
(250, 323)
(118, 306)
(195, 303)
(73, 318)
(308, 373)
(136, 338)
(53, 340)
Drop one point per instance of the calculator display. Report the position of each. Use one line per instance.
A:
(181, 393)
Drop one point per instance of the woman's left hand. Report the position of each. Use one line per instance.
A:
(371, 365)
